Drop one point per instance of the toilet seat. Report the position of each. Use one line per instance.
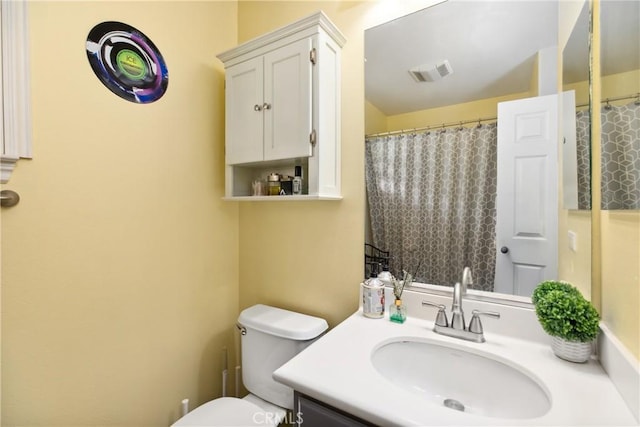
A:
(226, 411)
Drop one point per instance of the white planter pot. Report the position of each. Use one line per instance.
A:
(572, 351)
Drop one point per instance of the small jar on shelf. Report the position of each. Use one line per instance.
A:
(273, 185)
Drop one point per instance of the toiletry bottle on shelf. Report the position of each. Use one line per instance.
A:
(297, 180)
(273, 184)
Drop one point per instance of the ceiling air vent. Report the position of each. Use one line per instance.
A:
(431, 72)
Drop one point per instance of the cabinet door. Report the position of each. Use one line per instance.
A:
(312, 413)
(287, 88)
(244, 112)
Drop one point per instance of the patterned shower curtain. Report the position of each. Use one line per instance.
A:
(432, 202)
(583, 148)
(621, 157)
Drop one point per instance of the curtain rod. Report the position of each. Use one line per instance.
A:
(619, 98)
(427, 128)
(479, 121)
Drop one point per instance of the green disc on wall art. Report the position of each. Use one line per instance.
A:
(127, 62)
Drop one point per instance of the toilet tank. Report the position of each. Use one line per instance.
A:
(273, 336)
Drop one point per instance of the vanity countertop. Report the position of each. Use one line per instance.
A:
(337, 370)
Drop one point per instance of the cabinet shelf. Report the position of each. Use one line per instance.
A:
(301, 198)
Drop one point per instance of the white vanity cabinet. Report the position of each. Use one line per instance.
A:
(283, 109)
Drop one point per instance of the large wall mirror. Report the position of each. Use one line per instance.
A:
(577, 116)
(437, 76)
(620, 112)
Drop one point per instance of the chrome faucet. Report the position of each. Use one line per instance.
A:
(457, 328)
(457, 314)
(459, 291)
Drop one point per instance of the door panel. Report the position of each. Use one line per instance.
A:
(527, 199)
(288, 72)
(243, 115)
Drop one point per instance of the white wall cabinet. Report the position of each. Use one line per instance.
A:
(283, 109)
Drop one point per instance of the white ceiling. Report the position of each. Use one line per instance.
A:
(491, 46)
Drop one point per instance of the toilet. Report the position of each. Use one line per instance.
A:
(270, 337)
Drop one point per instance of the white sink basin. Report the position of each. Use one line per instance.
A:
(461, 380)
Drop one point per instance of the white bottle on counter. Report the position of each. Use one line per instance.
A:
(386, 277)
(373, 298)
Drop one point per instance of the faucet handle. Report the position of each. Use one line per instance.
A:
(441, 317)
(475, 325)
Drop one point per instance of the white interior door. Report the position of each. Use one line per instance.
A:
(527, 199)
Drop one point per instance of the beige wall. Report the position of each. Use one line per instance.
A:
(622, 84)
(307, 256)
(621, 245)
(621, 276)
(374, 120)
(616, 234)
(122, 269)
(120, 264)
(484, 108)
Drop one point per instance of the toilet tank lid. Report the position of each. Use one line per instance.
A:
(282, 323)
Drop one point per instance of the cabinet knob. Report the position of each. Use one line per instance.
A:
(266, 106)
(504, 249)
(257, 107)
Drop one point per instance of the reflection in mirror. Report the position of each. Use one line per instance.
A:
(433, 80)
(620, 112)
(576, 148)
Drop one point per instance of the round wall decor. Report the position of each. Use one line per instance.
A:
(127, 62)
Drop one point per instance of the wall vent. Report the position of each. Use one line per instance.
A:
(431, 72)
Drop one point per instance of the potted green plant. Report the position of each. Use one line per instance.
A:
(568, 318)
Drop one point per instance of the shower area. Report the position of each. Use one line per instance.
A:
(431, 195)
(431, 192)
(620, 154)
(620, 162)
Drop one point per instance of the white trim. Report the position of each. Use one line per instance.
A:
(622, 367)
(16, 124)
(302, 28)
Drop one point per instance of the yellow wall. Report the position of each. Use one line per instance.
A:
(621, 276)
(621, 245)
(616, 234)
(123, 271)
(374, 120)
(120, 264)
(484, 108)
(622, 84)
(308, 255)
